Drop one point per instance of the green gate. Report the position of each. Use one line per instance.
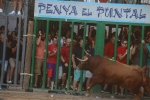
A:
(99, 46)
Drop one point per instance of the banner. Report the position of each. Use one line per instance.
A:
(93, 11)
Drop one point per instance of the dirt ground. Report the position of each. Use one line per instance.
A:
(44, 95)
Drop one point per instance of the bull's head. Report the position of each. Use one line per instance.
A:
(83, 65)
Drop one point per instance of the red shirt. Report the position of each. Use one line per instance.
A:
(121, 50)
(51, 49)
(103, 0)
(65, 52)
(109, 50)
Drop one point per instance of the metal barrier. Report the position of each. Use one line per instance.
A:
(21, 31)
(99, 47)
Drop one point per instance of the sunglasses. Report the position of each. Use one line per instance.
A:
(125, 43)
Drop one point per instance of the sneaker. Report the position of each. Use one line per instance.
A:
(116, 93)
(19, 13)
(9, 82)
(102, 91)
(105, 91)
(12, 13)
(1, 10)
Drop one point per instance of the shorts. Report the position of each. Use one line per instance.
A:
(39, 64)
(89, 74)
(77, 75)
(65, 69)
(5, 65)
(51, 71)
(12, 62)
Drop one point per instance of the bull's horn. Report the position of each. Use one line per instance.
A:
(82, 59)
(87, 53)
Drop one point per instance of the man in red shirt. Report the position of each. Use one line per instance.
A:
(51, 62)
(65, 54)
(122, 52)
(122, 57)
(109, 48)
(109, 52)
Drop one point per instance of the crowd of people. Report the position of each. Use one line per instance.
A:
(64, 58)
(10, 54)
(75, 74)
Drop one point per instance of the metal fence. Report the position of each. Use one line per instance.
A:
(99, 47)
(21, 31)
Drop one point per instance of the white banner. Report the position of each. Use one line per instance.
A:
(93, 11)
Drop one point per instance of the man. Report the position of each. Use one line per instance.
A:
(39, 57)
(109, 48)
(122, 57)
(77, 52)
(65, 54)
(6, 54)
(135, 55)
(109, 52)
(51, 63)
(15, 6)
(12, 59)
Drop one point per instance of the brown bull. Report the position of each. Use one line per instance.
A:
(112, 72)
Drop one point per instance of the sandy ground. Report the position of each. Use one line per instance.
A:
(44, 95)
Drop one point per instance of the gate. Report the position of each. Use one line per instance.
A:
(99, 46)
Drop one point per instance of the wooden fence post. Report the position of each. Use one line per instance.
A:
(28, 55)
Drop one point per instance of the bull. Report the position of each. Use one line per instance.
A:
(112, 72)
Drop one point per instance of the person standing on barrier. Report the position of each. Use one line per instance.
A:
(12, 59)
(15, 6)
(65, 54)
(77, 53)
(122, 57)
(109, 52)
(39, 57)
(1, 2)
(51, 62)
